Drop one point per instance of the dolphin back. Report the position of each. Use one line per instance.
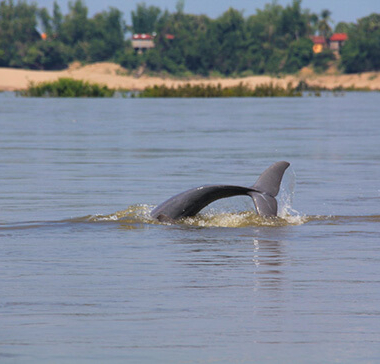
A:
(190, 202)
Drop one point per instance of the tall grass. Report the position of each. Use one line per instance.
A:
(304, 86)
(241, 90)
(67, 87)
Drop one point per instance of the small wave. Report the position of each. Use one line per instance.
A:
(344, 219)
(135, 214)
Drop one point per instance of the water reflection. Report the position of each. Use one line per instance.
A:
(257, 263)
(269, 258)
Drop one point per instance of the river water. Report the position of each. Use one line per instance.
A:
(88, 277)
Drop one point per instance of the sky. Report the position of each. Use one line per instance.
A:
(342, 10)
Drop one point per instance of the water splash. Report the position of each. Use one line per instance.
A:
(286, 195)
(285, 200)
(140, 214)
(234, 220)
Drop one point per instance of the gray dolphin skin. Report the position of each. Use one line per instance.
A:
(190, 202)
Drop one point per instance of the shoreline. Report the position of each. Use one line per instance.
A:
(114, 76)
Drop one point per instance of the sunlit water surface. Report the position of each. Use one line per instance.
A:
(87, 276)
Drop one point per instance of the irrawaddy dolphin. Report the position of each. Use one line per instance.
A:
(190, 202)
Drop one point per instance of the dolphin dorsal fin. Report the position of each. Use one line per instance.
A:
(270, 180)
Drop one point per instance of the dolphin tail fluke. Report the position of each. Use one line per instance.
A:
(266, 189)
(265, 205)
(270, 180)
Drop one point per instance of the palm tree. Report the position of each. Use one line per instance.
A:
(324, 27)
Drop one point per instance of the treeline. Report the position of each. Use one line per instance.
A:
(32, 38)
(274, 40)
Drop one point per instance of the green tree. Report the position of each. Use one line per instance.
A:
(293, 23)
(182, 52)
(18, 23)
(230, 34)
(47, 55)
(343, 27)
(180, 6)
(105, 35)
(300, 55)
(57, 19)
(321, 61)
(324, 27)
(75, 26)
(277, 39)
(361, 52)
(127, 57)
(259, 33)
(144, 19)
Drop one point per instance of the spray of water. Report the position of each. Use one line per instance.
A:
(286, 197)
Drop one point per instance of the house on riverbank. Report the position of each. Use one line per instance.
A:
(337, 40)
(143, 42)
(334, 43)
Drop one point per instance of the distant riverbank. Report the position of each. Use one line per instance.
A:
(114, 76)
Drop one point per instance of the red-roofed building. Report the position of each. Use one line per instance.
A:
(339, 37)
(142, 37)
(337, 40)
(142, 42)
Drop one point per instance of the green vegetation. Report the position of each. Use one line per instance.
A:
(362, 52)
(305, 87)
(67, 38)
(67, 87)
(321, 61)
(240, 90)
(274, 40)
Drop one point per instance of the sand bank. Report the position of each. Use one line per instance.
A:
(115, 76)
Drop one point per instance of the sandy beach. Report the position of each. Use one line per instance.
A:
(114, 76)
